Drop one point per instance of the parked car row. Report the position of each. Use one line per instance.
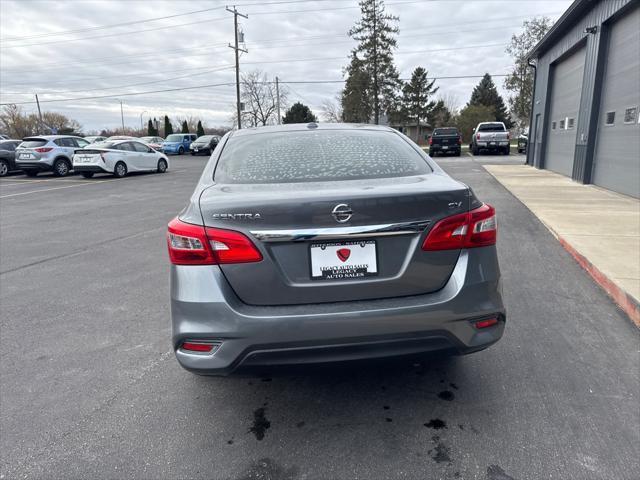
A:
(56, 153)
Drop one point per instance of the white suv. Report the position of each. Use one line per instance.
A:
(48, 153)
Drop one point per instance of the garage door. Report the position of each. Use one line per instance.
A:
(566, 87)
(617, 158)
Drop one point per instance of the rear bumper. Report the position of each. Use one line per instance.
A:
(90, 168)
(203, 306)
(40, 166)
(450, 148)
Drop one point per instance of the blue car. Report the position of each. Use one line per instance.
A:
(178, 143)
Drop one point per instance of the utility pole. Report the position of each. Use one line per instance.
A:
(39, 112)
(278, 100)
(237, 50)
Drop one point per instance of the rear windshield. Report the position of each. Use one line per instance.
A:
(438, 132)
(205, 138)
(105, 144)
(317, 156)
(174, 138)
(33, 143)
(491, 127)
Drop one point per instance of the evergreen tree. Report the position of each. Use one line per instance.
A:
(200, 130)
(520, 81)
(299, 113)
(485, 93)
(355, 99)
(185, 127)
(151, 131)
(375, 33)
(416, 103)
(440, 115)
(168, 128)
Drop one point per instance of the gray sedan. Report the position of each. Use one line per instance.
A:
(324, 243)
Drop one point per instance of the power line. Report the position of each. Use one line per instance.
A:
(195, 87)
(146, 20)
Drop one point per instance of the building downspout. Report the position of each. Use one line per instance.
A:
(529, 160)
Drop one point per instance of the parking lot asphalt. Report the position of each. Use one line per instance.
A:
(89, 387)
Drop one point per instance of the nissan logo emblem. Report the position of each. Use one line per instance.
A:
(342, 213)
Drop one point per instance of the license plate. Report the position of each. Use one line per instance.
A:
(343, 260)
(445, 147)
(195, 149)
(25, 156)
(492, 143)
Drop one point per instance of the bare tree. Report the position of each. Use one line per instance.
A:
(16, 124)
(331, 111)
(258, 94)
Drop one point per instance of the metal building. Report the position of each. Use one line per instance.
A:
(585, 121)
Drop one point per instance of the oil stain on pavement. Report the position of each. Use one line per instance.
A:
(260, 423)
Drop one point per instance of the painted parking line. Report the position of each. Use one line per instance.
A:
(54, 188)
(28, 182)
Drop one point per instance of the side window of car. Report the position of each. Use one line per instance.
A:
(126, 146)
(80, 142)
(140, 147)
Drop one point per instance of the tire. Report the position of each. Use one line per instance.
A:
(162, 166)
(31, 173)
(61, 168)
(87, 174)
(458, 153)
(180, 151)
(193, 154)
(474, 150)
(120, 170)
(4, 168)
(507, 151)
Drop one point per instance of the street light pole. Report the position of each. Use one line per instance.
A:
(122, 116)
(141, 124)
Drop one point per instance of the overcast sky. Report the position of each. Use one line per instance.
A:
(83, 48)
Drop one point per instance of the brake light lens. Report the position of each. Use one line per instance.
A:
(459, 140)
(477, 136)
(197, 245)
(477, 228)
(508, 136)
(430, 141)
(489, 322)
(203, 347)
(43, 149)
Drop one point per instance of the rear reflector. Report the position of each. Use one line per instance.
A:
(489, 322)
(197, 245)
(477, 228)
(200, 347)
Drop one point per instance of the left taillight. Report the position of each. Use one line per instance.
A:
(477, 228)
(197, 245)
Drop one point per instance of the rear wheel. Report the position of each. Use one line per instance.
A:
(474, 150)
(61, 168)
(120, 170)
(87, 174)
(507, 150)
(162, 166)
(4, 168)
(180, 151)
(31, 173)
(458, 153)
(193, 154)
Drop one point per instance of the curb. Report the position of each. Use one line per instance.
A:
(625, 301)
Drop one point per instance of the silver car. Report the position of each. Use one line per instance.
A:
(52, 153)
(323, 243)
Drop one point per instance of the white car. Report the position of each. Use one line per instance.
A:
(119, 157)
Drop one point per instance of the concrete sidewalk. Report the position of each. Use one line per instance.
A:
(600, 228)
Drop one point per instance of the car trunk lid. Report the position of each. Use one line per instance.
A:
(304, 240)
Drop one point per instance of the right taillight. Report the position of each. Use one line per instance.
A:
(43, 149)
(477, 228)
(197, 245)
(477, 136)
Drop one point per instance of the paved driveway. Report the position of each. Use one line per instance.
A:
(89, 387)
